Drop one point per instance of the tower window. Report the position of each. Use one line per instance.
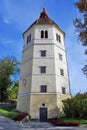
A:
(46, 34)
(58, 38)
(43, 69)
(62, 72)
(28, 38)
(60, 57)
(43, 53)
(43, 88)
(63, 90)
(42, 34)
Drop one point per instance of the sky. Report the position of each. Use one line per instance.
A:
(17, 15)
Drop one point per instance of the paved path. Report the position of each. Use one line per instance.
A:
(7, 124)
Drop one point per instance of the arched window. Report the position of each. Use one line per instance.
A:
(59, 38)
(42, 34)
(28, 38)
(46, 34)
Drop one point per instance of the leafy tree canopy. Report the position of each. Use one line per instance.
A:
(9, 66)
(81, 26)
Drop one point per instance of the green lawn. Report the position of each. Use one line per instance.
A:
(8, 112)
(81, 121)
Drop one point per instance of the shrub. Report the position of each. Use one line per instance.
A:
(20, 117)
(60, 123)
(76, 107)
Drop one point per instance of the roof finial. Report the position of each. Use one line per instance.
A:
(44, 9)
(44, 14)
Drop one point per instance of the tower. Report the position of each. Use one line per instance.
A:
(44, 80)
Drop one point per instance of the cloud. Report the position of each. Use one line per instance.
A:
(11, 47)
(6, 20)
(23, 13)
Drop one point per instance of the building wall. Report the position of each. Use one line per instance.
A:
(48, 78)
(50, 101)
(30, 98)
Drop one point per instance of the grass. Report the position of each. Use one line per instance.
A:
(8, 111)
(81, 121)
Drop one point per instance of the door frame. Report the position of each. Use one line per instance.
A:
(47, 111)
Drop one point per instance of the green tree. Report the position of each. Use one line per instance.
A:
(81, 26)
(13, 92)
(9, 66)
(76, 107)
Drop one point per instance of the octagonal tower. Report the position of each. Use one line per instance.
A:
(44, 80)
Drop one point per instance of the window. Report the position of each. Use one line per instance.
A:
(24, 82)
(58, 38)
(43, 69)
(42, 34)
(60, 57)
(63, 90)
(43, 53)
(28, 38)
(43, 88)
(43, 104)
(46, 34)
(62, 72)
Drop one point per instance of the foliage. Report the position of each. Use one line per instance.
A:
(62, 123)
(76, 107)
(21, 116)
(81, 121)
(7, 111)
(81, 26)
(9, 66)
(13, 92)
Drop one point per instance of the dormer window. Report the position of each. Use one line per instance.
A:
(28, 38)
(44, 34)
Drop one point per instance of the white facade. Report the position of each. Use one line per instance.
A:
(31, 98)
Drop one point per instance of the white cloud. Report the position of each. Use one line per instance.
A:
(6, 20)
(23, 13)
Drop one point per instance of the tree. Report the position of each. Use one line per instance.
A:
(81, 26)
(76, 107)
(9, 66)
(13, 92)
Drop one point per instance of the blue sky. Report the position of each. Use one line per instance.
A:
(17, 15)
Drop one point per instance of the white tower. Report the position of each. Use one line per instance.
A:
(44, 80)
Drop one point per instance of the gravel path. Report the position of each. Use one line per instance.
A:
(8, 124)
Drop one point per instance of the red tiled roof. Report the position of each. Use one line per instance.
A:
(44, 19)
